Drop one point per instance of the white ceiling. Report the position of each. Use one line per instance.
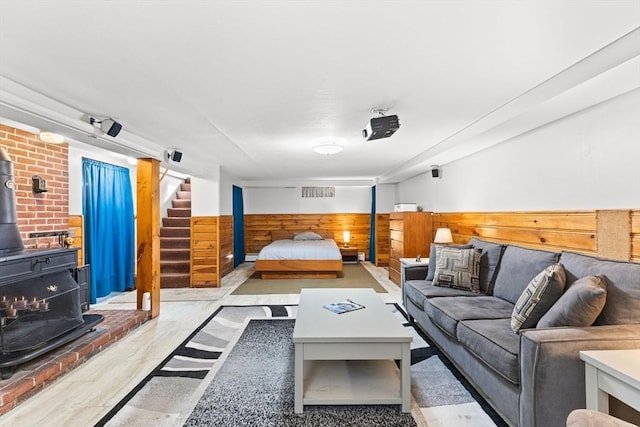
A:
(253, 85)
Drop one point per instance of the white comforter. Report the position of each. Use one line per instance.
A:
(301, 249)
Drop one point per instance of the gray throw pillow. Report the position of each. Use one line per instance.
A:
(539, 295)
(580, 305)
(458, 268)
(434, 253)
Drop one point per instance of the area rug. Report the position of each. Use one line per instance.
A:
(175, 294)
(216, 379)
(352, 276)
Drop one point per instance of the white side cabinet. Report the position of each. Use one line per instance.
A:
(409, 262)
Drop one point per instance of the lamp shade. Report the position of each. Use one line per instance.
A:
(443, 235)
(346, 236)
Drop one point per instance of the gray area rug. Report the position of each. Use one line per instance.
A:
(254, 387)
(209, 381)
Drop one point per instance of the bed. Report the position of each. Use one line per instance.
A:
(306, 255)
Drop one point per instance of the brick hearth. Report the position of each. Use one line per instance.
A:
(33, 376)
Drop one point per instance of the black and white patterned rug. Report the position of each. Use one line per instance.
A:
(209, 381)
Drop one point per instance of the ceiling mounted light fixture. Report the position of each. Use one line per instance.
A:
(328, 149)
(51, 138)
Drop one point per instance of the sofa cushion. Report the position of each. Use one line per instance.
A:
(491, 253)
(446, 312)
(415, 290)
(435, 253)
(517, 267)
(439, 291)
(419, 290)
(541, 293)
(458, 268)
(623, 285)
(580, 305)
(493, 342)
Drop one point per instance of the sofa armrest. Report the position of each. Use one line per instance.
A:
(416, 272)
(552, 374)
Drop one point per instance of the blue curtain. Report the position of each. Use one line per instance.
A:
(107, 205)
(372, 227)
(238, 227)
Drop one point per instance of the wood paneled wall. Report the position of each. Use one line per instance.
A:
(211, 250)
(575, 231)
(257, 228)
(76, 223)
(225, 244)
(635, 235)
(382, 240)
(204, 253)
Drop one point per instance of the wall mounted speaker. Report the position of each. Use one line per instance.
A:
(111, 127)
(108, 126)
(174, 155)
(435, 173)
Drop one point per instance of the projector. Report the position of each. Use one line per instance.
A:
(381, 127)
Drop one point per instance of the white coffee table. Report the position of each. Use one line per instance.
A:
(348, 359)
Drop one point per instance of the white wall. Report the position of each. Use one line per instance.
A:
(385, 197)
(227, 182)
(278, 200)
(205, 194)
(76, 153)
(590, 160)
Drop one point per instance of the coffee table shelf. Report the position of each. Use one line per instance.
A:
(353, 382)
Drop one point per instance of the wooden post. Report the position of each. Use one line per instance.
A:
(148, 233)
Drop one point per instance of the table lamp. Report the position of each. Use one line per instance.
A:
(443, 236)
(346, 236)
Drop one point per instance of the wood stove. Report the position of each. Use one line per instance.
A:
(40, 298)
(40, 304)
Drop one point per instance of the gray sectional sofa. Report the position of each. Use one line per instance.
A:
(533, 377)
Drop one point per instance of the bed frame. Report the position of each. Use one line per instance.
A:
(298, 268)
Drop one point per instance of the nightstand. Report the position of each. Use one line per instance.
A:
(410, 262)
(349, 254)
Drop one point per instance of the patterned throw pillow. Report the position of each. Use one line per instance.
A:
(539, 295)
(458, 268)
(580, 305)
(435, 254)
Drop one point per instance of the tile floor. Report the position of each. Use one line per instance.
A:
(83, 396)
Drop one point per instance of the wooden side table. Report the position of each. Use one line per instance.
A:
(349, 254)
(611, 372)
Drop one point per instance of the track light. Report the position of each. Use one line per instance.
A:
(108, 126)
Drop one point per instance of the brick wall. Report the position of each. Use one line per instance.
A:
(44, 211)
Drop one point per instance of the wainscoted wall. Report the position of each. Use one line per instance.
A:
(225, 242)
(76, 226)
(382, 240)
(257, 228)
(211, 250)
(575, 231)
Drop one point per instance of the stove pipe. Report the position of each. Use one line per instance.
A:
(10, 239)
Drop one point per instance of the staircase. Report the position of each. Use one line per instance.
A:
(175, 241)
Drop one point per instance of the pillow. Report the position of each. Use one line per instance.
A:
(539, 295)
(434, 254)
(307, 235)
(580, 305)
(458, 268)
